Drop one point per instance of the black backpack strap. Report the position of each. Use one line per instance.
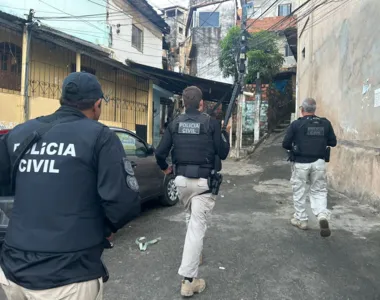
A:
(32, 139)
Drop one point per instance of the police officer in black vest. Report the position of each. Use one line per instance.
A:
(197, 143)
(309, 140)
(70, 188)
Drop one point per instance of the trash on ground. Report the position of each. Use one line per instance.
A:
(143, 245)
(222, 268)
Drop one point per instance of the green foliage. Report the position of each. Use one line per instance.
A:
(263, 55)
(230, 46)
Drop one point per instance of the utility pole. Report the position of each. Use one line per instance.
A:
(241, 79)
(27, 36)
(257, 109)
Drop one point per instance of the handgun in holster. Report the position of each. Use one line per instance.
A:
(291, 156)
(214, 182)
(327, 154)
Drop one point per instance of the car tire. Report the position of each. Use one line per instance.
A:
(170, 194)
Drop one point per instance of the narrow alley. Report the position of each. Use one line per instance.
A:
(251, 250)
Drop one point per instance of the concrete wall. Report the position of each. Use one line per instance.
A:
(340, 68)
(97, 29)
(207, 41)
(289, 61)
(122, 41)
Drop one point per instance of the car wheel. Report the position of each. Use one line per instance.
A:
(170, 195)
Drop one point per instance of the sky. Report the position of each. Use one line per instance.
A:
(166, 3)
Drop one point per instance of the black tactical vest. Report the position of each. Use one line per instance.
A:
(56, 197)
(192, 141)
(311, 137)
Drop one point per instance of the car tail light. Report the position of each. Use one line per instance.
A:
(4, 131)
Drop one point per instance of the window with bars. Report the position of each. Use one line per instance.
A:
(10, 67)
(284, 9)
(137, 38)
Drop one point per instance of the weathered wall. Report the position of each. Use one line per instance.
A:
(340, 69)
(122, 41)
(207, 41)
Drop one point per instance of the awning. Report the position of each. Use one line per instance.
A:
(177, 82)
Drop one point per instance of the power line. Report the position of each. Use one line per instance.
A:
(95, 26)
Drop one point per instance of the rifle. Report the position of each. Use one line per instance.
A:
(231, 105)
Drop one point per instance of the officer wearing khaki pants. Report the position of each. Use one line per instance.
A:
(309, 139)
(198, 143)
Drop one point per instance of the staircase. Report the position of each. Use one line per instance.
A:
(283, 125)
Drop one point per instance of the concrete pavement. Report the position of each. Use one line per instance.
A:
(251, 250)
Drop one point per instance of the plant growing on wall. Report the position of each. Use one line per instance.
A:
(263, 55)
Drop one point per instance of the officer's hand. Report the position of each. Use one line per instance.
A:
(168, 171)
(228, 128)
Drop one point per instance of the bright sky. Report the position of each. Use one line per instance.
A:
(166, 3)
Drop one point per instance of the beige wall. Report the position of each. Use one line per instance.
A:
(341, 42)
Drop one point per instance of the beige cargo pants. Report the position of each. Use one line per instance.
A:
(90, 290)
(315, 173)
(198, 207)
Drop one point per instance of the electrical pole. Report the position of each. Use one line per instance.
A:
(26, 45)
(257, 109)
(241, 82)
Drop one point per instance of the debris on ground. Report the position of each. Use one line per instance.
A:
(143, 245)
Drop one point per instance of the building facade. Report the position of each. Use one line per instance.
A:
(53, 55)
(130, 29)
(175, 17)
(208, 23)
(262, 15)
(338, 66)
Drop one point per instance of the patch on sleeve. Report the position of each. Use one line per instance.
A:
(189, 128)
(128, 167)
(132, 183)
(315, 131)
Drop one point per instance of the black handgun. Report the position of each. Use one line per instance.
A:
(327, 154)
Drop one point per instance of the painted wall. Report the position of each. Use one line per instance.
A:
(260, 6)
(97, 28)
(207, 41)
(151, 54)
(338, 66)
(93, 29)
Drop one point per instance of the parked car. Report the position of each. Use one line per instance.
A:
(153, 183)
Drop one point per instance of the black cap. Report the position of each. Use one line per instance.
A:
(79, 86)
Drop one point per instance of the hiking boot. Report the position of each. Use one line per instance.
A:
(298, 223)
(188, 288)
(324, 226)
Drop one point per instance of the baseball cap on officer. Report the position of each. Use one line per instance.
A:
(81, 87)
